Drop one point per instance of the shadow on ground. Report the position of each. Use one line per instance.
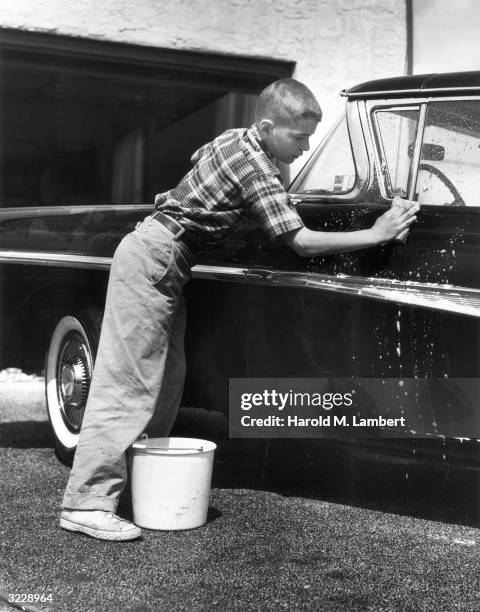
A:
(390, 479)
(422, 478)
(25, 434)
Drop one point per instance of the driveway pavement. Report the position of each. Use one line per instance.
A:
(291, 527)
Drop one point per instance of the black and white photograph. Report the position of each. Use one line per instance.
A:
(239, 305)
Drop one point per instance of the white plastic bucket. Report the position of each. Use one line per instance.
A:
(171, 480)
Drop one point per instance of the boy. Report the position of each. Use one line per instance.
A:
(140, 363)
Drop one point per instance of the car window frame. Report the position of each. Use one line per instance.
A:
(423, 102)
(381, 163)
(365, 153)
(360, 157)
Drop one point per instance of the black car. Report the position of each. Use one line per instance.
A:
(405, 311)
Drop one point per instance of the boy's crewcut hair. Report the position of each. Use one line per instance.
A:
(287, 98)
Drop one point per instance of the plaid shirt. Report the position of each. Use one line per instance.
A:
(232, 181)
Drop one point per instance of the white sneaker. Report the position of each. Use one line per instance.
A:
(99, 524)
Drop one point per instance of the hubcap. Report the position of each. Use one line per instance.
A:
(74, 371)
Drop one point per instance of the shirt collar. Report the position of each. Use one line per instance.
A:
(257, 142)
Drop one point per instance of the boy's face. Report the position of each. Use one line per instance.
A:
(288, 138)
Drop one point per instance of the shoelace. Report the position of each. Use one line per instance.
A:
(117, 520)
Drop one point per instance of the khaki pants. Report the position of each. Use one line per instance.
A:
(140, 367)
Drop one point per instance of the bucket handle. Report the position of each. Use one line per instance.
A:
(174, 448)
(144, 437)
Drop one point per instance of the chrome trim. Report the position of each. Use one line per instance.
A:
(64, 260)
(387, 92)
(49, 211)
(89, 262)
(221, 273)
(413, 173)
(369, 143)
(446, 298)
(396, 92)
(359, 150)
(378, 142)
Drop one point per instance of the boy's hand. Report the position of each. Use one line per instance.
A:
(404, 204)
(396, 221)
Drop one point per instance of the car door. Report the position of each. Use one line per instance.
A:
(400, 311)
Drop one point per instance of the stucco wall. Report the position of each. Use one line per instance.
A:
(336, 43)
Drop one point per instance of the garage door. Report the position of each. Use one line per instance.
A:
(88, 121)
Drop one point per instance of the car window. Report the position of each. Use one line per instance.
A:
(396, 134)
(449, 170)
(331, 170)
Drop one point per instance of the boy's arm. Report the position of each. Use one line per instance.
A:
(388, 226)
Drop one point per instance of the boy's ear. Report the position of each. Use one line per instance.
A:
(265, 127)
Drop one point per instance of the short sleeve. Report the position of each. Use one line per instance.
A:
(270, 205)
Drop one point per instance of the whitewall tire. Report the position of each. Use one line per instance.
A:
(68, 373)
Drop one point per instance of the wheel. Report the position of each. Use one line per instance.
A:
(68, 372)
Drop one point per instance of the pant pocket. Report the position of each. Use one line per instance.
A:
(162, 264)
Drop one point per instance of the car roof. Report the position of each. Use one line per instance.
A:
(417, 85)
